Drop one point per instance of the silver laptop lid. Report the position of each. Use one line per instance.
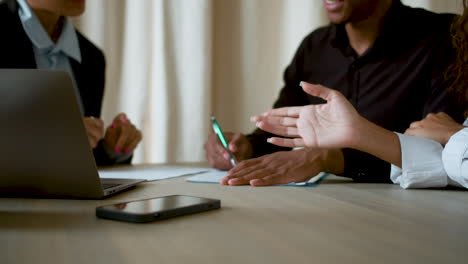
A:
(44, 148)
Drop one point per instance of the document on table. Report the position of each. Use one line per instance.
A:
(150, 174)
(215, 176)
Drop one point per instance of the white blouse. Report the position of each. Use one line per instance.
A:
(425, 164)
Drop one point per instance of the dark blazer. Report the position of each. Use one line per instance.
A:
(16, 52)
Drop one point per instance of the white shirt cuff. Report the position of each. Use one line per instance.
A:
(421, 164)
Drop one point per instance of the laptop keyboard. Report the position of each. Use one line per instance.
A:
(109, 185)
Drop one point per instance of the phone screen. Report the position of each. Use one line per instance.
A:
(157, 204)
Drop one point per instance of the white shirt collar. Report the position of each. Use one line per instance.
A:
(67, 43)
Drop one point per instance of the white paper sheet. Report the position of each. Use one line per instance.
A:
(215, 176)
(210, 176)
(151, 174)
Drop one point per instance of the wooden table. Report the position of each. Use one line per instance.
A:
(336, 222)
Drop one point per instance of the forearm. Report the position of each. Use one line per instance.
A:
(366, 156)
(360, 166)
(333, 161)
(379, 142)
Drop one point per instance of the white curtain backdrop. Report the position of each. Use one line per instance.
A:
(173, 63)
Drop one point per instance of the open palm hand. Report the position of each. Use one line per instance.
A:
(331, 125)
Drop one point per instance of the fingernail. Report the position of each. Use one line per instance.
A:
(112, 125)
(123, 119)
(226, 156)
(257, 124)
(127, 151)
(301, 84)
(224, 181)
(269, 140)
(117, 150)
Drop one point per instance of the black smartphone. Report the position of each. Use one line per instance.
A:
(158, 208)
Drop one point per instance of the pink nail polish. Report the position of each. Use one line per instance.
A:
(112, 125)
(123, 119)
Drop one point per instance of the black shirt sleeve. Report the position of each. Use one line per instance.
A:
(290, 95)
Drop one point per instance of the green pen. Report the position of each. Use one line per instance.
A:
(219, 132)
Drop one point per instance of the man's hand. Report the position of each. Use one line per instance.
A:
(122, 136)
(218, 157)
(335, 124)
(285, 167)
(94, 130)
(439, 127)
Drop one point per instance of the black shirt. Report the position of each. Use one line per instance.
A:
(400, 79)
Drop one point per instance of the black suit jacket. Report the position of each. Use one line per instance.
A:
(16, 52)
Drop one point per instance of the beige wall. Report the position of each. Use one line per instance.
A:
(253, 43)
(440, 6)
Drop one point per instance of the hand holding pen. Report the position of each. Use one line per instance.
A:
(225, 156)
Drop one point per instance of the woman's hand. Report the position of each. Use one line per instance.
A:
(94, 129)
(439, 127)
(335, 124)
(122, 136)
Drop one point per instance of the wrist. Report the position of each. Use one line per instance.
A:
(360, 133)
(331, 161)
(451, 133)
(249, 151)
(381, 143)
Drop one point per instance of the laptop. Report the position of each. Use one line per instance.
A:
(44, 149)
